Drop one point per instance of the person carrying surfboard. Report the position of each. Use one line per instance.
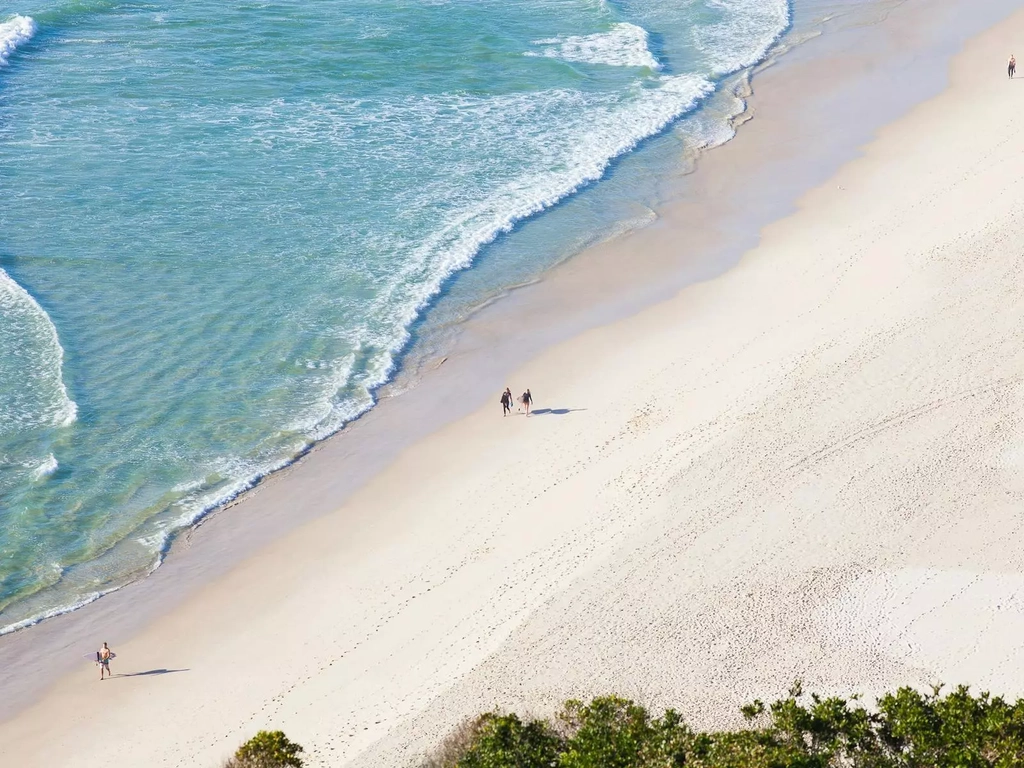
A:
(103, 657)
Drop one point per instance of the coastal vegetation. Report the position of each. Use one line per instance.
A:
(906, 729)
(267, 749)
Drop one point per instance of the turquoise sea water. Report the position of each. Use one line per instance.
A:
(220, 220)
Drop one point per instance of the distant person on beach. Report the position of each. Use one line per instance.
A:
(103, 656)
(527, 401)
(1012, 66)
(506, 402)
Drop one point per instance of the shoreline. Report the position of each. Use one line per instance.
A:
(209, 552)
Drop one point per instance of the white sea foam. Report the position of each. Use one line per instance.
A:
(747, 31)
(45, 469)
(715, 123)
(186, 487)
(327, 417)
(14, 32)
(624, 45)
(32, 390)
(36, 618)
(242, 476)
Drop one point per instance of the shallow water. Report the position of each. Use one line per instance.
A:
(220, 221)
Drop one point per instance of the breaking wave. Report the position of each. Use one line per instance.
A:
(14, 32)
(32, 390)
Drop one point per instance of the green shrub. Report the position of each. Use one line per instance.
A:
(955, 731)
(267, 749)
(607, 733)
(908, 729)
(504, 741)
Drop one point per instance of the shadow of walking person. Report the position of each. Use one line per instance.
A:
(151, 672)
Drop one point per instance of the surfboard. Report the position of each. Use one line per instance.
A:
(95, 656)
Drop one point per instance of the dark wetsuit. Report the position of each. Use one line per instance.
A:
(1011, 68)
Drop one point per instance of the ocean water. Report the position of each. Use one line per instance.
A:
(220, 222)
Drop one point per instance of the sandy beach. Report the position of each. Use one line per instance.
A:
(807, 467)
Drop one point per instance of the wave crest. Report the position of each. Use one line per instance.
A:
(45, 469)
(32, 390)
(14, 32)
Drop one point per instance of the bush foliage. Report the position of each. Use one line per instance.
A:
(907, 729)
(267, 749)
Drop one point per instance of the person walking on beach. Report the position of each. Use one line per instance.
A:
(1011, 68)
(527, 401)
(103, 657)
(506, 402)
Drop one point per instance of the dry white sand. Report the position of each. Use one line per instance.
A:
(809, 468)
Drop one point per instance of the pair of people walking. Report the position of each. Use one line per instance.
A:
(525, 401)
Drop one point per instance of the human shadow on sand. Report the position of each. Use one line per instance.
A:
(151, 672)
(555, 411)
